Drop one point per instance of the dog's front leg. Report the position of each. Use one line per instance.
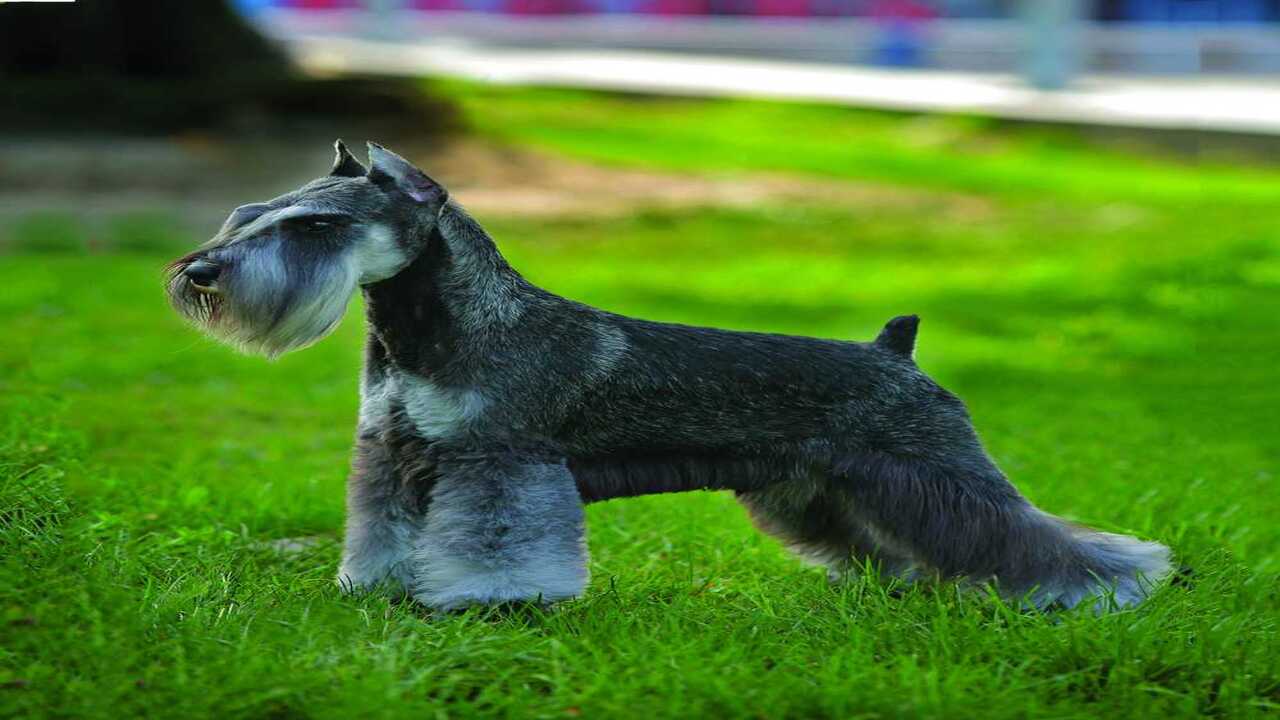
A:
(382, 521)
(501, 526)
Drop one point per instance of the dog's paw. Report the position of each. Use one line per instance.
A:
(350, 583)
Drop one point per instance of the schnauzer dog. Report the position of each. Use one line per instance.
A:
(492, 410)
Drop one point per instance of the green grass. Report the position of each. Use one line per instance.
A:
(1116, 345)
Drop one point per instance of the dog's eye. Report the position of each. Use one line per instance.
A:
(317, 223)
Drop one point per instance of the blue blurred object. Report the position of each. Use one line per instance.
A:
(253, 7)
(491, 6)
(900, 45)
(1202, 11)
(615, 6)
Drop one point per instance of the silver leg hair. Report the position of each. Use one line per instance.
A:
(500, 527)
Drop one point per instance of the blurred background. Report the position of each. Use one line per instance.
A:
(134, 106)
(1080, 36)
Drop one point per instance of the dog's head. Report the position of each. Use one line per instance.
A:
(279, 274)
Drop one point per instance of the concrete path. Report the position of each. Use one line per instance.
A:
(1241, 105)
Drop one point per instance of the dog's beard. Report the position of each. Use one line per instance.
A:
(266, 303)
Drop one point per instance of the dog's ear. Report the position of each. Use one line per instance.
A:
(899, 335)
(344, 163)
(390, 171)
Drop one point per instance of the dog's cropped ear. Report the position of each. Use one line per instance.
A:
(899, 335)
(388, 170)
(344, 163)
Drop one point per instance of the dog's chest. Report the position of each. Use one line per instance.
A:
(432, 411)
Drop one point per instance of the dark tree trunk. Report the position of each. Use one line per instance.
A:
(152, 39)
(151, 66)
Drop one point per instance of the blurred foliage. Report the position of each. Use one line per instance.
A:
(938, 151)
(47, 232)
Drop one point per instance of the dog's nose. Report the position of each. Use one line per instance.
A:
(202, 273)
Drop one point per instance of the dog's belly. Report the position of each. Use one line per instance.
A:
(603, 477)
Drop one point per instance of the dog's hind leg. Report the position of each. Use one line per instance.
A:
(500, 527)
(815, 521)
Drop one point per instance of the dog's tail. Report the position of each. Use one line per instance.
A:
(962, 519)
(1075, 563)
(899, 335)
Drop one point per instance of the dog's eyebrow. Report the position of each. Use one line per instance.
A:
(320, 215)
(245, 214)
(296, 211)
(269, 218)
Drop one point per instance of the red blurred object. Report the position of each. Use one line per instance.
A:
(901, 10)
(325, 4)
(783, 8)
(677, 7)
(436, 5)
(542, 7)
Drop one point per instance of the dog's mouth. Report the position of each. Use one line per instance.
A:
(210, 289)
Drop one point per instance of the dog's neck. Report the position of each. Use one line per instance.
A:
(450, 298)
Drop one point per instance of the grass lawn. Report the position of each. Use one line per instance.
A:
(1110, 319)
